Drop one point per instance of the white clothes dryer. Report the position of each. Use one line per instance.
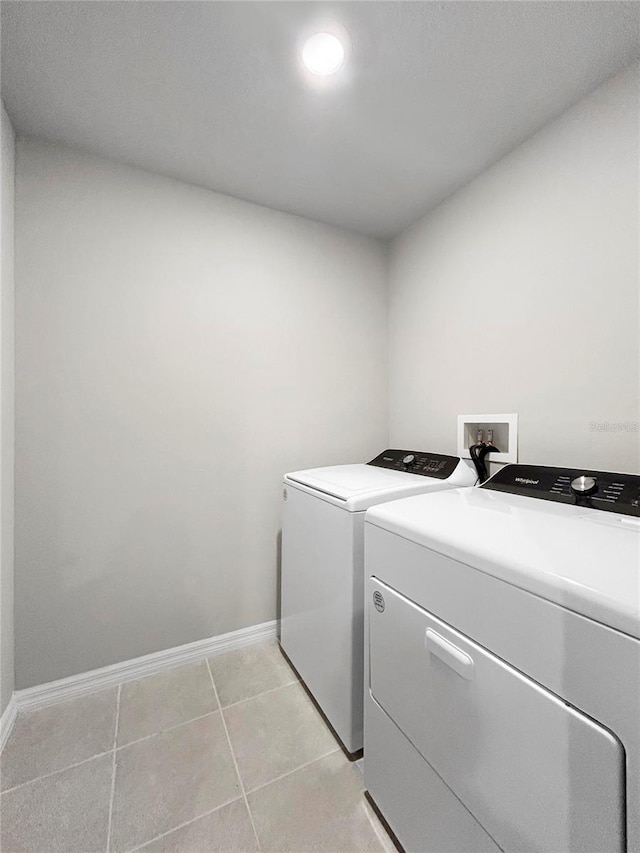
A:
(322, 581)
(502, 708)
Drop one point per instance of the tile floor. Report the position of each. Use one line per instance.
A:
(227, 754)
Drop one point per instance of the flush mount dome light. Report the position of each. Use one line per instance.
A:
(323, 54)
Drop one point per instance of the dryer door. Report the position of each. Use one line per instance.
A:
(534, 771)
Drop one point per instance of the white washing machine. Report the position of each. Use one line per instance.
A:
(322, 582)
(502, 700)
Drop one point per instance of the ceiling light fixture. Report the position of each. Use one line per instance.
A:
(323, 54)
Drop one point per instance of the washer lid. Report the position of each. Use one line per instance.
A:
(348, 481)
(583, 559)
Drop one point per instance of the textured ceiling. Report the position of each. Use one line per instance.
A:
(213, 92)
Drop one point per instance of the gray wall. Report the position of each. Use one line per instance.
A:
(7, 151)
(520, 294)
(177, 351)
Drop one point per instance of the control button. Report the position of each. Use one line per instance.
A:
(408, 459)
(584, 486)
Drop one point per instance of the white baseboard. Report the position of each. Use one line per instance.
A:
(7, 720)
(42, 695)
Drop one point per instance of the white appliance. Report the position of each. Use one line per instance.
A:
(502, 707)
(322, 582)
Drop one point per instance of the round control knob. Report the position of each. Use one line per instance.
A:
(584, 486)
(408, 459)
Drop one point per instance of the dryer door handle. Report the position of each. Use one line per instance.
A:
(455, 658)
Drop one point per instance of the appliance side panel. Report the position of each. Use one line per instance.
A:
(319, 632)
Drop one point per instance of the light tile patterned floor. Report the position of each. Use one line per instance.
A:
(224, 755)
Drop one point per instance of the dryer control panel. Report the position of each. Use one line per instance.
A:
(417, 462)
(603, 490)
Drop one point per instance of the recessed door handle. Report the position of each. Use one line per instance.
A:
(455, 658)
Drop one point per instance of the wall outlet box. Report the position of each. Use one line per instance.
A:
(505, 435)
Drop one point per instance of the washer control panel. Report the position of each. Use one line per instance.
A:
(417, 462)
(596, 489)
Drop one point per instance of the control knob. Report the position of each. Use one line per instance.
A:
(584, 486)
(408, 459)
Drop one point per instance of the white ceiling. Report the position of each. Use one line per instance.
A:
(213, 92)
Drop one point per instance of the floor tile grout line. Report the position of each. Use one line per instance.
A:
(264, 693)
(182, 825)
(219, 709)
(295, 770)
(146, 737)
(56, 772)
(119, 686)
(233, 756)
(168, 729)
(113, 768)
